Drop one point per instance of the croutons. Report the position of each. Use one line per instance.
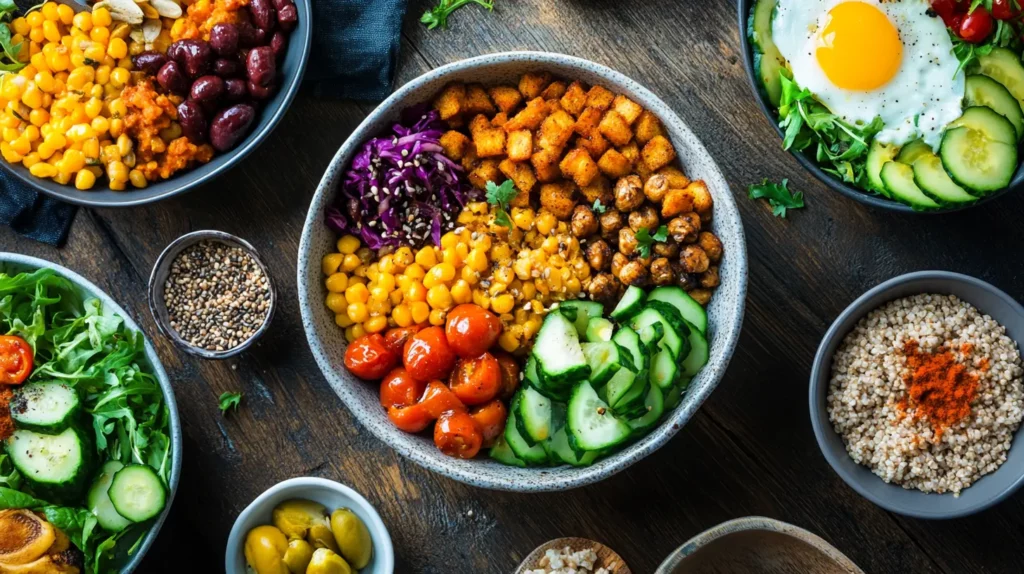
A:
(676, 178)
(578, 165)
(614, 127)
(530, 117)
(657, 153)
(627, 108)
(647, 126)
(676, 201)
(600, 97)
(477, 101)
(554, 91)
(478, 124)
(489, 142)
(519, 145)
(506, 98)
(702, 201)
(588, 121)
(558, 198)
(600, 189)
(451, 101)
(522, 176)
(594, 143)
(574, 99)
(556, 130)
(631, 152)
(614, 164)
(486, 171)
(531, 85)
(499, 120)
(545, 165)
(454, 144)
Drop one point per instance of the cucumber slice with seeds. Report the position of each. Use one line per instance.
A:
(599, 329)
(933, 180)
(984, 91)
(580, 312)
(591, 422)
(913, 151)
(502, 453)
(630, 304)
(558, 351)
(99, 499)
(604, 359)
(979, 151)
(534, 415)
(899, 180)
(137, 493)
(1003, 66)
(45, 407)
(530, 454)
(688, 308)
(878, 155)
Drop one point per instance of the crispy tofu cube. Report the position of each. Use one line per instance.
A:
(599, 190)
(614, 164)
(470, 160)
(631, 152)
(519, 145)
(489, 142)
(521, 175)
(627, 108)
(545, 165)
(600, 97)
(477, 100)
(530, 117)
(676, 178)
(532, 84)
(554, 91)
(455, 144)
(676, 201)
(558, 198)
(574, 99)
(556, 130)
(457, 122)
(506, 98)
(647, 126)
(451, 101)
(578, 165)
(588, 121)
(479, 123)
(614, 127)
(486, 171)
(658, 153)
(499, 120)
(702, 200)
(594, 143)
(553, 106)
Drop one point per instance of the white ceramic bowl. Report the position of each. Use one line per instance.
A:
(326, 492)
(327, 341)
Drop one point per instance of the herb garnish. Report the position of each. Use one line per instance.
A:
(1005, 35)
(778, 195)
(8, 51)
(229, 401)
(644, 239)
(502, 195)
(438, 15)
(599, 207)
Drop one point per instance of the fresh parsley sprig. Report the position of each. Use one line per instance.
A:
(599, 207)
(778, 195)
(501, 196)
(644, 239)
(229, 401)
(438, 15)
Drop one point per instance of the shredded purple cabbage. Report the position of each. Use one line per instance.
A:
(401, 189)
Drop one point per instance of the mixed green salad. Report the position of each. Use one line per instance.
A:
(90, 449)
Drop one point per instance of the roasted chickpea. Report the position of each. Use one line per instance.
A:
(701, 296)
(645, 217)
(599, 255)
(710, 279)
(602, 288)
(683, 230)
(683, 279)
(694, 259)
(670, 249)
(629, 193)
(711, 245)
(627, 241)
(656, 188)
(618, 262)
(611, 222)
(634, 273)
(661, 271)
(583, 223)
(702, 202)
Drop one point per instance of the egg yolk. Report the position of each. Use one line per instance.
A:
(859, 49)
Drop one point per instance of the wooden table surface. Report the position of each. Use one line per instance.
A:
(750, 449)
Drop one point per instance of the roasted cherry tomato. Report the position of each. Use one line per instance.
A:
(976, 26)
(428, 356)
(398, 389)
(438, 398)
(456, 434)
(509, 375)
(476, 381)
(1005, 9)
(395, 339)
(413, 418)
(15, 360)
(491, 419)
(472, 330)
(368, 357)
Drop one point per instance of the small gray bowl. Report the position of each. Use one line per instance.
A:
(991, 488)
(17, 263)
(162, 268)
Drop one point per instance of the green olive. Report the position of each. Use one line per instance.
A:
(264, 550)
(320, 536)
(298, 555)
(352, 537)
(327, 562)
(295, 517)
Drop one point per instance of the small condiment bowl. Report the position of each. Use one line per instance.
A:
(161, 269)
(327, 492)
(989, 489)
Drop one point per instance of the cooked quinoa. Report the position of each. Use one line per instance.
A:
(867, 386)
(567, 561)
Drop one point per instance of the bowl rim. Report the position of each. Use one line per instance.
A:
(542, 479)
(744, 7)
(289, 89)
(304, 483)
(173, 422)
(819, 381)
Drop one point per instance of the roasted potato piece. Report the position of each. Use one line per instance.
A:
(554, 91)
(647, 127)
(694, 259)
(530, 117)
(532, 84)
(545, 165)
(477, 101)
(486, 171)
(684, 229)
(614, 164)
(574, 99)
(611, 222)
(584, 223)
(658, 153)
(578, 165)
(555, 130)
(558, 198)
(627, 108)
(454, 144)
(599, 190)
(628, 193)
(614, 127)
(594, 143)
(702, 201)
(506, 98)
(451, 101)
(676, 201)
(600, 97)
(519, 145)
(676, 178)
(644, 218)
(711, 245)
(656, 187)
(588, 121)
(489, 142)
(523, 178)
(710, 278)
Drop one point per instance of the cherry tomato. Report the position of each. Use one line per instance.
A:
(491, 419)
(369, 358)
(456, 434)
(976, 26)
(413, 418)
(944, 8)
(1004, 9)
(954, 22)
(428, 356)
(395, 339)
(476, 381)
(438, 398)
(472, 330)
(398, 389)
(509, 375)
(15, 360)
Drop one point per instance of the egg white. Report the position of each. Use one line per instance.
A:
(925, 95)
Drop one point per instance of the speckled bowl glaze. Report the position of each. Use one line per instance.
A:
(14, 262)
(327, 341)
(989, 489)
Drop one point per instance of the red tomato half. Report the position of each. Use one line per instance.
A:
(472, 330)
(438, 398)
(412, 419)
(976, 26)
(1004, 9)
(395, 339)
(15, 360)
(456, 434)
(369, 358)
(509, 375)
(476, 381)
(491, 420)
(398, 389)
(428, 356)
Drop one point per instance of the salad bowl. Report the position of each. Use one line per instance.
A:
(327, 341)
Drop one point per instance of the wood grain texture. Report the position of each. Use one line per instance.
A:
(750, 449)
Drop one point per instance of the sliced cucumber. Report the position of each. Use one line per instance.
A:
(630, 304)
(591, 421)
(618, 386)
(529, 453)
(663, 370)
(768, 61)
(532, 377)
(99, 501)
(56, 466)
(558, 351)
(651, 337)
(913, 151)
(675, 326)
(688, 308)
(45, 407)
(988, 123)
(984, 91)
(580, 312)
(138, 493)
(605, 359)
(630, 341)
(1004, 66)
(633, 397)
(932, 178)
(654, 403)
(502, 453)
(674, 396)
(878, 155)
(534, 415)
(599, 329)
(698, 356)
(976, 162)
(560, 450)
(899, 180)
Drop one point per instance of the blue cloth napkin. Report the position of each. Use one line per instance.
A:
(33, 214)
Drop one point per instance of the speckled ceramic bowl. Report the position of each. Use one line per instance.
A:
(327, 341)
(14, 262)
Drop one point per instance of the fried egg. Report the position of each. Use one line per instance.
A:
(864, 59)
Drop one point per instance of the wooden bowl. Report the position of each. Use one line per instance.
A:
(606, 557)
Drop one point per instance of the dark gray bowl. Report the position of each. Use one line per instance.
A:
(991, 488)
(808, 161)
(291, 71)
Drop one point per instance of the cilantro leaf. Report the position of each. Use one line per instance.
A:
(229, 401)
(438, 15)
(501, 196)
(644, 239)
(778, 195)
(501, 218)
(599, 207)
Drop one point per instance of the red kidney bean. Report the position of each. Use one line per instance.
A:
(227, 67)
(193, 121)
(149, 62)
(287, 17)
(194, 55)
(224, 39)
(263, 14)
(235, 89)
(230, 125)
(259, 92)
(207, 89)
(250, 36)
(279, 44)
(172, 79)
(261, 66)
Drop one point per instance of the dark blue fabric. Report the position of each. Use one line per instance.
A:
(33, 214)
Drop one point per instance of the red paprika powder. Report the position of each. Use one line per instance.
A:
(939, 387)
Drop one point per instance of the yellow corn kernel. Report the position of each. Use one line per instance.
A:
(481, 299)
(39, 117)
(93, 107)
(357, 293)
(100, 124)
(85, 180)
(450, 255)
(361, 271)
(420, 312)
(477, 260)
(83, 21)
(403, 258)
(73, 161)
(372, 272)
(33, 96)
(386, 264)
(31, 133)
(27, 72)
(545, 222)
(386, 281)
(437, 317)
(136, 48)
(350, 263)
(449, 240)
(117, 171)
(497, 288)
(95, 53)
(348, 244)
(522, 218)
(49, 11)
(354, 332)
(425, 257)
(116, 127)
(10, 134)
(35, 19)
(376, 324)
(403, 282)
(29, 159)
(342, 320)
(66, 14)
(439, 297)
(416, 292)
(171, 132)
(469, 276)
(119, 77)
(530, 328)
(21, 26)
(44, 81)
(502, 303)
(336, 302)
(42, 169)
(504, 275)
(415, 271)
(501, 252)
(336, 282)
(137, 179)
(50, 31)
(117, 48)
(22, 145)
(444, 271)
(461, 292)
(395, 297)
(378, 308)
(9, 154)
(357, 312)
(509, 339)
(573, 286)
(378, 293)
(37, 36)
(124, 144)
(91, 148)
(402, 315)
(59, 60)
(330, 264)
(39, 62)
